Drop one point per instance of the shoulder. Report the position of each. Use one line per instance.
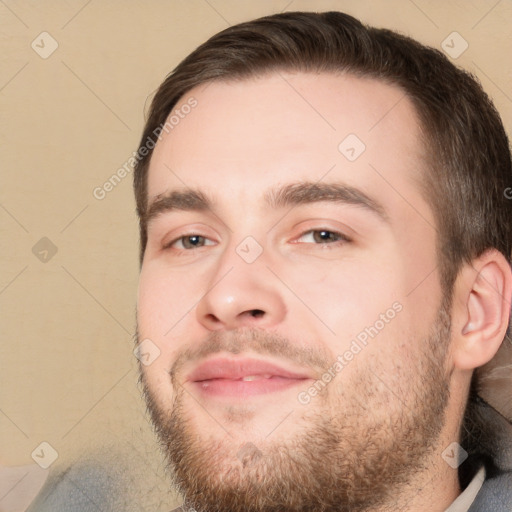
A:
(490, 441)
(495, 494)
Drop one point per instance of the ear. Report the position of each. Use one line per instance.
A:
(481, 309)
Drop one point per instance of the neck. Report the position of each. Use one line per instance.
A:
(437, 486)
(434, 489)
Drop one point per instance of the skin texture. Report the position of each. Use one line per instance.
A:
(373, 438)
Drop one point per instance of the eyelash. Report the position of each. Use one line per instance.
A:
(342, 239)
(181, 238)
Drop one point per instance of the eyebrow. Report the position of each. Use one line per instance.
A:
(184, 200)
(291, 195)
(296, 194)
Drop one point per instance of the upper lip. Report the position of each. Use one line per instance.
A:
(234, 369)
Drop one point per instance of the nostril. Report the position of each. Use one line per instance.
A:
(257, 313)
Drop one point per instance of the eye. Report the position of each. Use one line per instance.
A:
(188, 242)
(322, 236)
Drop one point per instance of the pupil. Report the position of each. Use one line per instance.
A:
(194, 240)
(324, 235)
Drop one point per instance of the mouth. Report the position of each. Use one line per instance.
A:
(244, 377)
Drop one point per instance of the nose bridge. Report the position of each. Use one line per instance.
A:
(241, 291)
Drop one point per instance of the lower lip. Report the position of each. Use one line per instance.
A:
(243, 388)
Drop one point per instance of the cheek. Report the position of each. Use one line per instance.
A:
(162, 305)
(419, 274)
(164, 298)
(346, 296)
(165, 301)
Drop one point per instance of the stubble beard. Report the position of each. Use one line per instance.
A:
(348, 458)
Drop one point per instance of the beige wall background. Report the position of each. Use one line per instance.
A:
(71, 118)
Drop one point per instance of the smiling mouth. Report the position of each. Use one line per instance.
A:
(249, 385)
(244, 377)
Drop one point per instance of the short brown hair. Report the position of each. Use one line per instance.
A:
(468, 149)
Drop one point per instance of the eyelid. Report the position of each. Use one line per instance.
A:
(343, 238)
(188, 230)
(169, 244)
(346, 233)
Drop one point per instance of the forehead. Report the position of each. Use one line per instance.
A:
(249, 135)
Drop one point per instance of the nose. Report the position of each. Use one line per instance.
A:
(241, 294)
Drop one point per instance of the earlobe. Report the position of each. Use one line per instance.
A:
(485, 289)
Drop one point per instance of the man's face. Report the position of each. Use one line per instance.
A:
(288, 234)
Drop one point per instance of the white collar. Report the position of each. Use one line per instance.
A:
(466, 498)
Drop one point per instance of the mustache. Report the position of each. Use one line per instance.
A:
(256, 341)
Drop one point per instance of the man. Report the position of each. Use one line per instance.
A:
(325, 248)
